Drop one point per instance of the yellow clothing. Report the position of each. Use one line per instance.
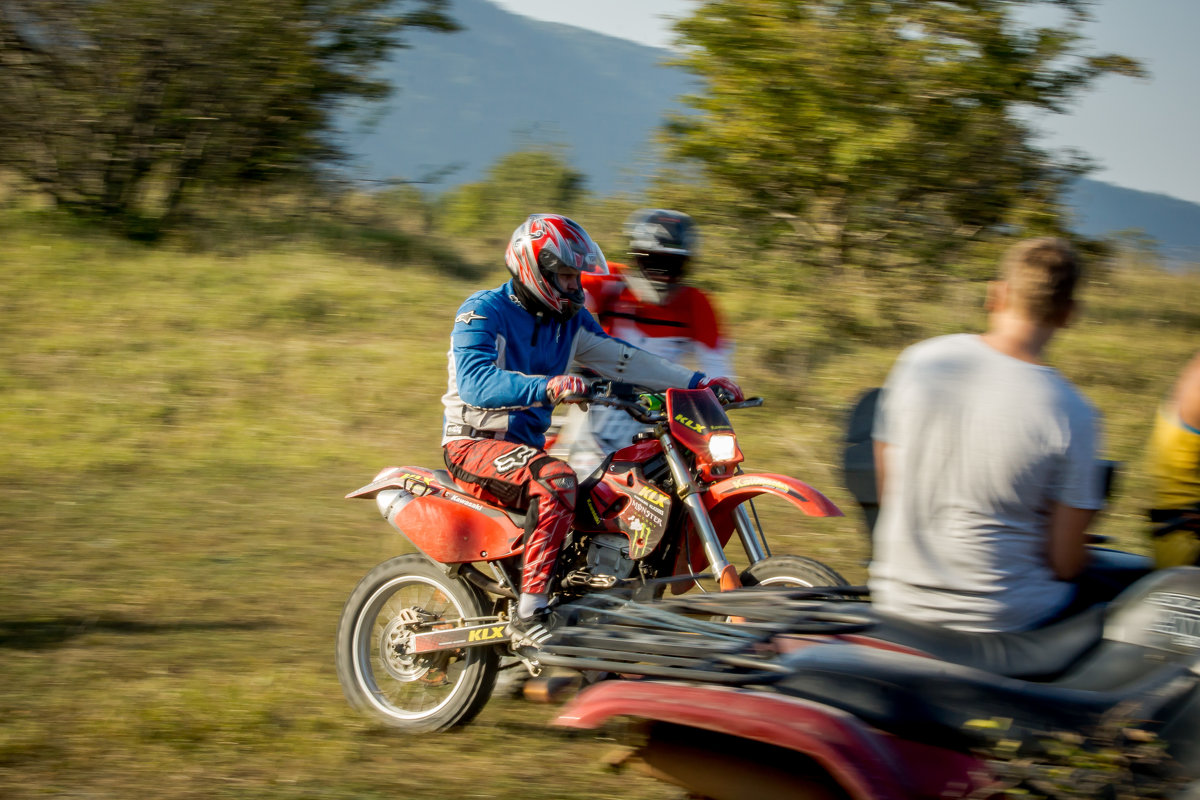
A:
(1174, 462)
(1175, 468)
(1177, 549)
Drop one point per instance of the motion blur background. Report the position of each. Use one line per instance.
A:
(233, 236)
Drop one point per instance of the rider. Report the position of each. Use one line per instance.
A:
(986, 458)
(647, 304)
(511, 348)
(1175, 467)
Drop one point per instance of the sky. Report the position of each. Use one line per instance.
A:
(1140, 132)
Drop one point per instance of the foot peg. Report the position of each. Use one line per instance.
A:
(582, 579)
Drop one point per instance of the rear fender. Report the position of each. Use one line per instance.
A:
(409, 478)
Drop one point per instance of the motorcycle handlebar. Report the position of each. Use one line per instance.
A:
(641, 413)
(617, 394)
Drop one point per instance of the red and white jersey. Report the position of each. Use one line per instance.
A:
(684, 329)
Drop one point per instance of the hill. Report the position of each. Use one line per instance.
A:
(1174, 224)
(467, 98)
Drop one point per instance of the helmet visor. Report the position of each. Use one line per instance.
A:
(563, 277)
(662, 267)
(581, 255)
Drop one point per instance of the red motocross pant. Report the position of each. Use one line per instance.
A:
(527, 479)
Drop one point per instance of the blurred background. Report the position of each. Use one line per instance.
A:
(233, 235)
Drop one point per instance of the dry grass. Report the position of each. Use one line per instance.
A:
(180, 428)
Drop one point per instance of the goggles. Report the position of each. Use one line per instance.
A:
(662, 266)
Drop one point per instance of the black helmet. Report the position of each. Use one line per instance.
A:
(660, 244)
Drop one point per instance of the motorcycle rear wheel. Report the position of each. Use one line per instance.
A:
(791, 571)
(430, 692)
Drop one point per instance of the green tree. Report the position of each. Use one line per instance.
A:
(881, 132)
(124, 107)
(530, 181)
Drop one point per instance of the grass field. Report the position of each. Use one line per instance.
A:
(179, 427)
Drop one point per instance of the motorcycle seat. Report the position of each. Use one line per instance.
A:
(935, 702)
(1036, 655)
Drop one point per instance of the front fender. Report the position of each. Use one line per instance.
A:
(725, 495)
(722, 497)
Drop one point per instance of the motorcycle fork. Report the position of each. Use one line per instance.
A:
(689, 494)
(750, 533)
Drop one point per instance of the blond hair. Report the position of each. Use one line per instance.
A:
(1041, 275)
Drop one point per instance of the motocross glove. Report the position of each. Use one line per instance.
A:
(724, 386)
(566, 388)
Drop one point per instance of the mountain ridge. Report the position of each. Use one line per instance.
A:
(507, 81)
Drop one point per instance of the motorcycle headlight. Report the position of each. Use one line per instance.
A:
(722, 446)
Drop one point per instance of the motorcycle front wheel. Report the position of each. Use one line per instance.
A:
(426, 692)
(791, 571)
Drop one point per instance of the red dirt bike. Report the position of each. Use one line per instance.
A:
(420, 638)
(802, 701)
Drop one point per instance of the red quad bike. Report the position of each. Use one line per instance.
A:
(798, 701)
(815, 695)
(421, 636)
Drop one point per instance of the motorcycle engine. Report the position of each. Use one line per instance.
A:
(608, 554)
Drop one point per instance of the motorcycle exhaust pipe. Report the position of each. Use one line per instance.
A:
(391, 501)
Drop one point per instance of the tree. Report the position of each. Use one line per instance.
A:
(875, 132)
(534, 180)
(121, 107)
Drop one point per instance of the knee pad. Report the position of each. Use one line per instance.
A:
(556, 479)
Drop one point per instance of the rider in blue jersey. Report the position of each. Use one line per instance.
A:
(511, 350)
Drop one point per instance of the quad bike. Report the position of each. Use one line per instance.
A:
(801, 701)
(816, 695)
(421, 636)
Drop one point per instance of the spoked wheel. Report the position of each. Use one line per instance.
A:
(791, 571)
(416, 692)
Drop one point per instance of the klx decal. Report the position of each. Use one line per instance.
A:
(688, 423)
(486, 634)
(650, 496)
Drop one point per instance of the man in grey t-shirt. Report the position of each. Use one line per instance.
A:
(987, 463)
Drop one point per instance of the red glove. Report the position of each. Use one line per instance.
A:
(728, 386)
(560, 388)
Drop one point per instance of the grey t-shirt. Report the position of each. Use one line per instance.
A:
(978, 446)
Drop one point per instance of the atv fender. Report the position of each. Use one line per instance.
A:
(865, 763)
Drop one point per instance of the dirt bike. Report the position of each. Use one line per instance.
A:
(801, 701)
(420, 637)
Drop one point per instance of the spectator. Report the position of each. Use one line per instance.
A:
(1175, 468)
(986, 458)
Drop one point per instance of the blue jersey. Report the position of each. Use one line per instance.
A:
(501, 357)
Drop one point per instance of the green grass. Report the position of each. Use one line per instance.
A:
(180, 426)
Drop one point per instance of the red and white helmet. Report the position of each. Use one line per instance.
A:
(543, 247)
